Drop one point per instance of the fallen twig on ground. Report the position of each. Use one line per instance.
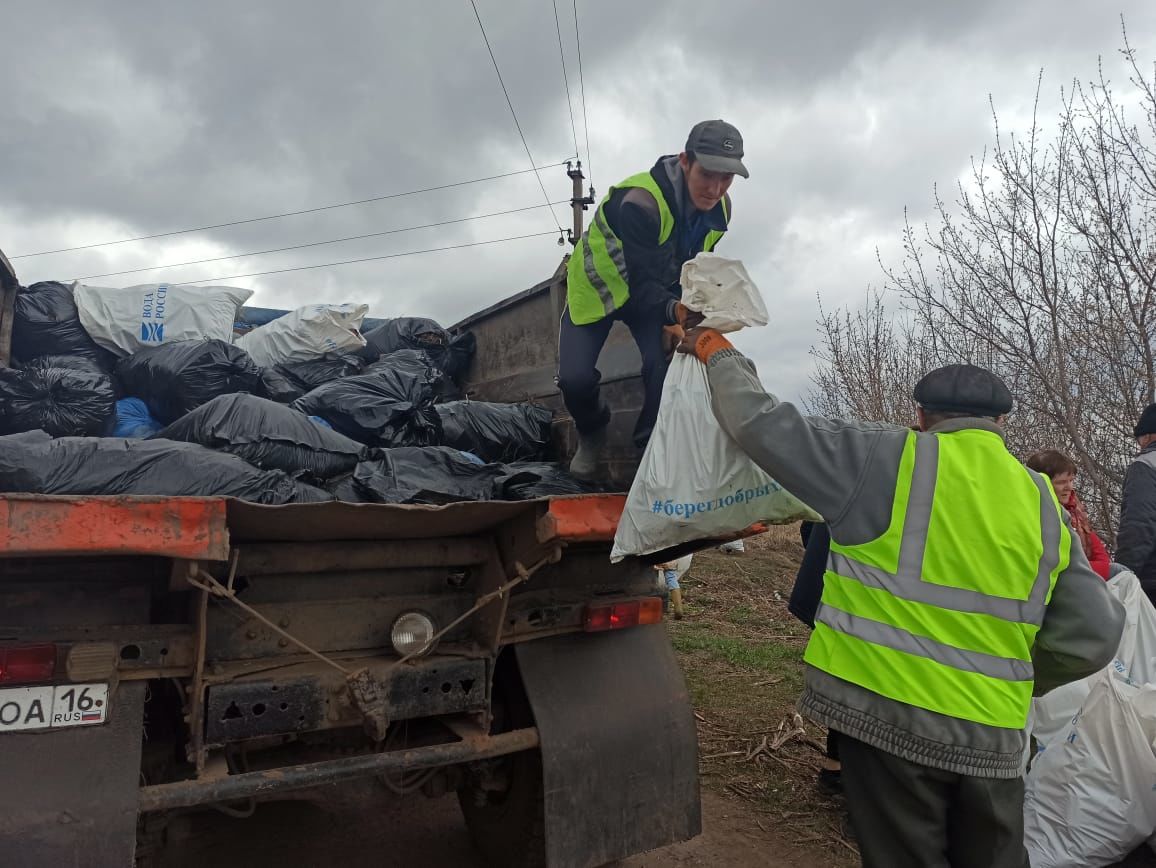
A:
(757, 752)
(784, 735)
(767, 683)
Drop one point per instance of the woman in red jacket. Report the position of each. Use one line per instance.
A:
(1062, 471)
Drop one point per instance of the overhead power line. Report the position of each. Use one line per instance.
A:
(566, 78)
(514, 114)
(364, 259)
(582, 87)
(316, 243)
(383, 198)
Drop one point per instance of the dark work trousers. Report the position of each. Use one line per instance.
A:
(578, 374)
(906, 814)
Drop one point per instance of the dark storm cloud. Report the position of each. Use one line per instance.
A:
(125, 119)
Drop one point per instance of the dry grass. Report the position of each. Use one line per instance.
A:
(742, 653)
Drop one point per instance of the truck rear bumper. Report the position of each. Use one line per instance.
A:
(618, 741)
(186, 794)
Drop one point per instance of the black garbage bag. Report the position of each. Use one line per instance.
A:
(267, 435)
(459, 354)
(433, 474)
(46, 323)
(526, 480)
(389, 407)
(416, 362)
(173, 379)
(86, 364)
(406, 333)
(307, 376)
(343, 488)
(62, 402)
(496, 432)
(277, 387)
(113, 465)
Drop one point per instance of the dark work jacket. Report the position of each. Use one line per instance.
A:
(654, 269)
(808, 590)
(1136, 539)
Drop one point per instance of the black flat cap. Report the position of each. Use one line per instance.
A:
(1147, 423)
(963, 389)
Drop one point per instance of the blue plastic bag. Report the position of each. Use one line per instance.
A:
(134, 420)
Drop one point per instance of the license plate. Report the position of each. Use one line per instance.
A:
(52, 707)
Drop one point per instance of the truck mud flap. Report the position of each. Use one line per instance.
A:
(70, 795)
(618, 741)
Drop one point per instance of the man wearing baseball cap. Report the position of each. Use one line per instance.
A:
(626, 267)
(954, 591)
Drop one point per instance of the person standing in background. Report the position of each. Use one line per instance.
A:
(1062, 470)
(1136, 539)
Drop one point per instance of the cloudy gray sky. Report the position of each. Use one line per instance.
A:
(132, 119)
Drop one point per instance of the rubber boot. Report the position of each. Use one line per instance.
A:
(676, 602)
(584, 465)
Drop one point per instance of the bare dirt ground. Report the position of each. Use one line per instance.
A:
(742, 654)
(368, 828)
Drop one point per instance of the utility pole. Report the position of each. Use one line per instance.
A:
(578, 202)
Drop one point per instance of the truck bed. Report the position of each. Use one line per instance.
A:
(196, 528)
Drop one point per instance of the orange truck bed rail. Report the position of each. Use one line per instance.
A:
(176, 527)
(196, 528)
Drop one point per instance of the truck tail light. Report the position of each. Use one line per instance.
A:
(27, 664)
(621, 614)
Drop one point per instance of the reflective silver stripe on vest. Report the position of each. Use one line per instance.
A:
(877, 633)
(908, 584)
(1050, 522)
(614, 249)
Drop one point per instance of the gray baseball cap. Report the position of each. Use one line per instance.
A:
(718, 146)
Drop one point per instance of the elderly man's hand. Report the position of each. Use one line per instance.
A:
(702, 343)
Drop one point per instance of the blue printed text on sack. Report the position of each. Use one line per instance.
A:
(152, 315)
(740, 496)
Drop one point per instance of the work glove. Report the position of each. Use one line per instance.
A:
(702, 343)
(679, 314)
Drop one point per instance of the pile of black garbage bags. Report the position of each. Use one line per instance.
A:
(386, 424)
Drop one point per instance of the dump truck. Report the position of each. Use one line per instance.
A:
(165, 655)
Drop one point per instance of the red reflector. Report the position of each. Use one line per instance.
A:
(611, 616)
(23, 664)
(624, 613)
(650, 610)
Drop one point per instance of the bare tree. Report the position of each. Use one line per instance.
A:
(870, 360)
(1043, 270)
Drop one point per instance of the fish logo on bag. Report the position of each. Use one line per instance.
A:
(153, 308)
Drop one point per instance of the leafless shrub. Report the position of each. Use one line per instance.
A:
(1042, 269)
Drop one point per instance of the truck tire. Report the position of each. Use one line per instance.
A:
(508, 825)
(509, 828)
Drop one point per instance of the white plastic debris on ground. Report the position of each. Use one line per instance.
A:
(1091, 790)
(694, 481)
(306, 333)
(130, 319)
